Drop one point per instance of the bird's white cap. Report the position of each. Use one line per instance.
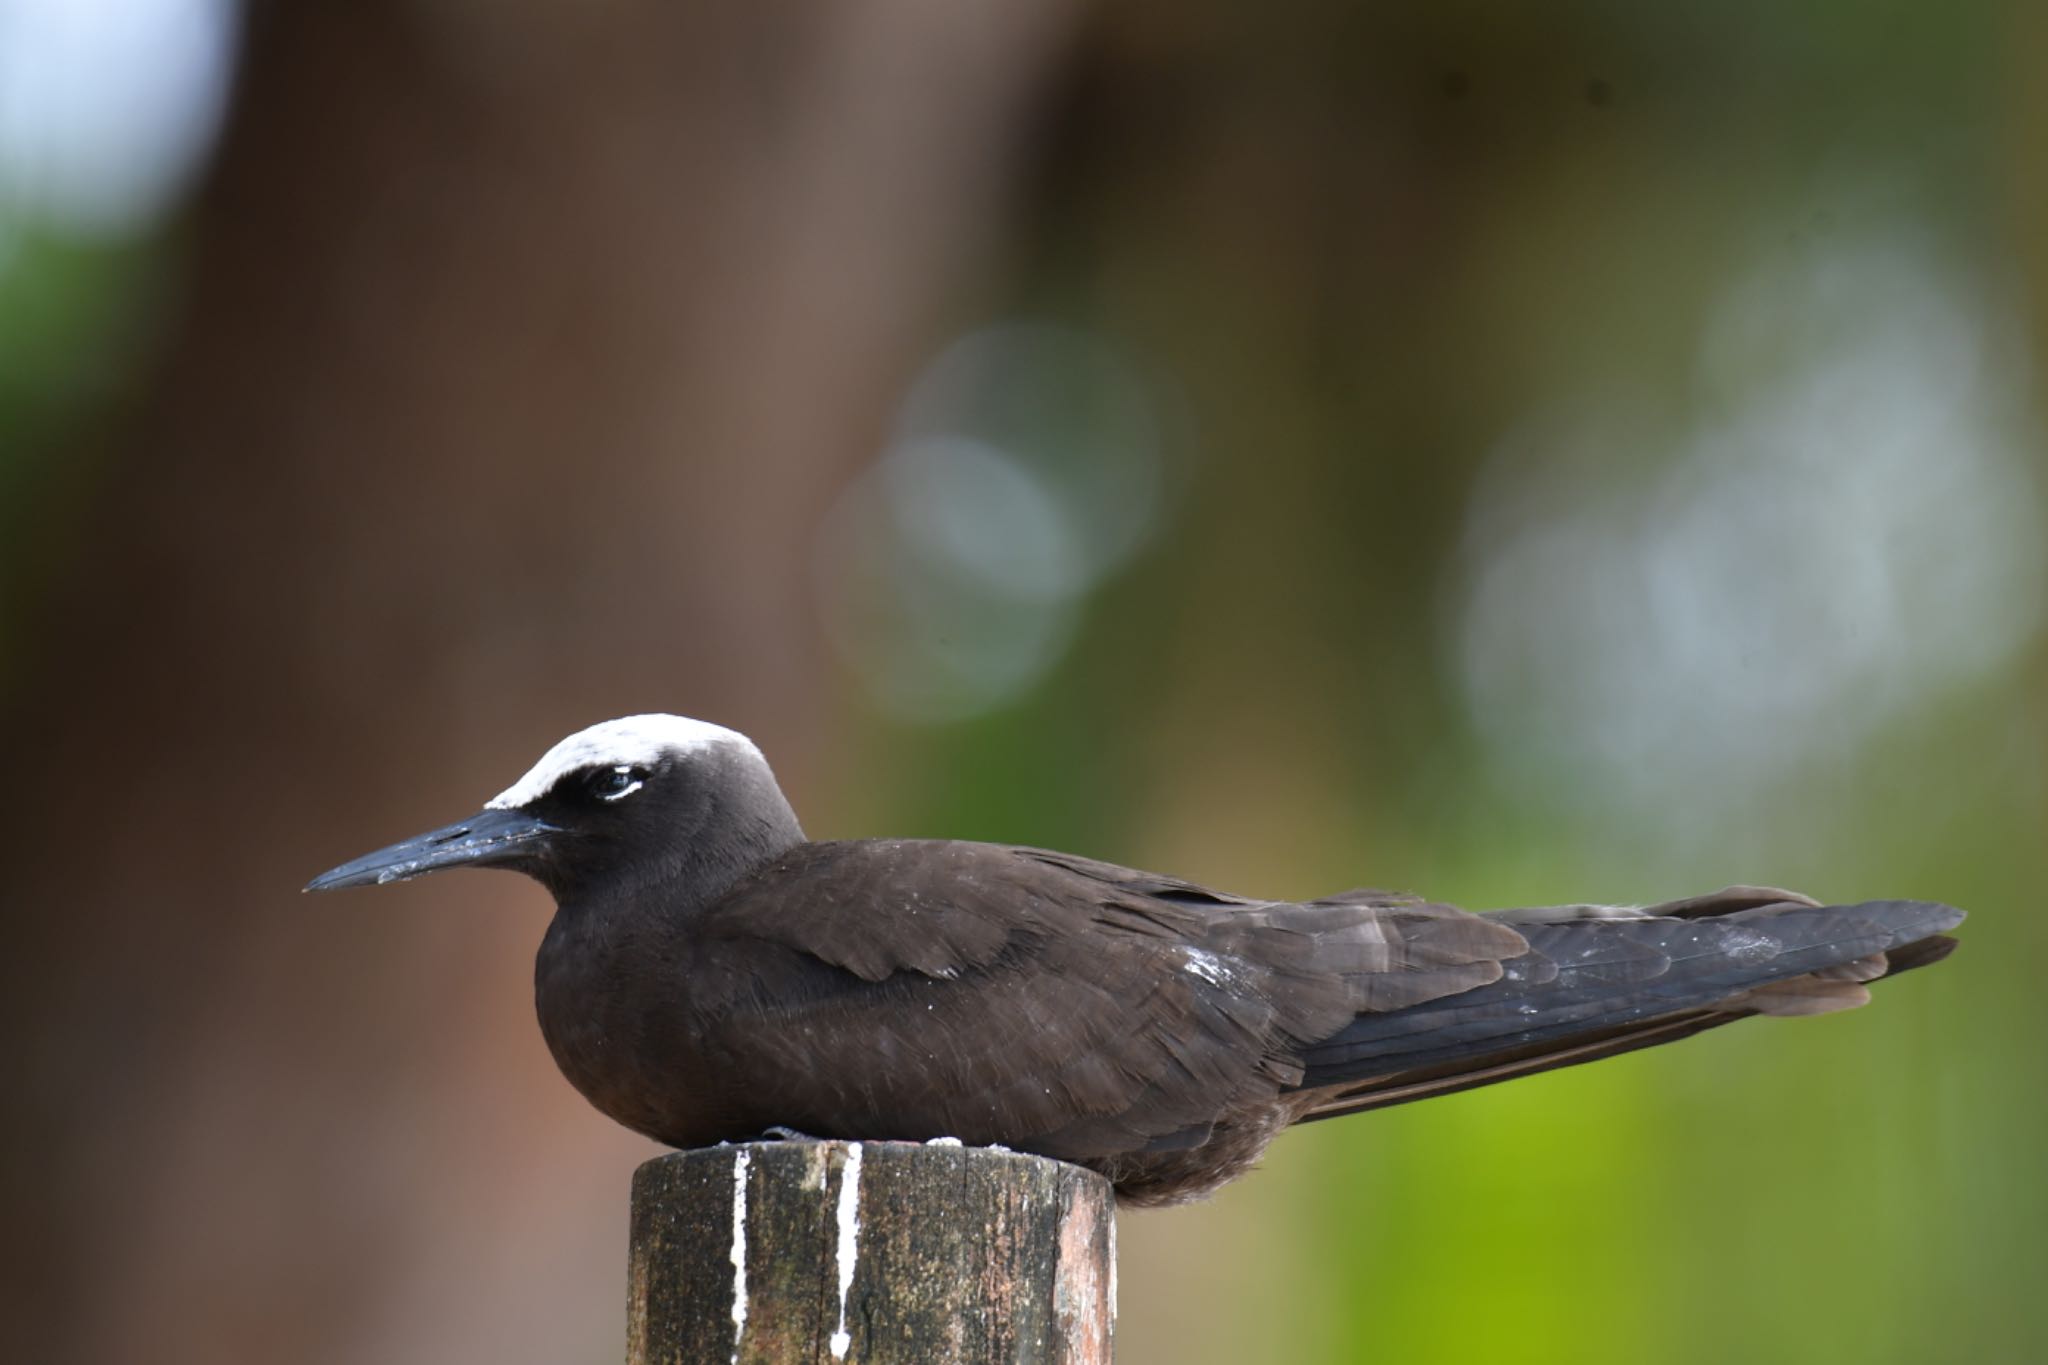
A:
(629, 740)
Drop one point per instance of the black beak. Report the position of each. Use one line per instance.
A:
(487, 839)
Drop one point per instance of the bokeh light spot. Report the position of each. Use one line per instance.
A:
(1850, 527)
(1026, 469)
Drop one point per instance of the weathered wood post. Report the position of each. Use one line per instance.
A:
(870, 1253)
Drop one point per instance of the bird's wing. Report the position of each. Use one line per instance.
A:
(983, 991)
(1084, 1010)
(1601, 980)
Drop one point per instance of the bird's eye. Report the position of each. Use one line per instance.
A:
(615, 784)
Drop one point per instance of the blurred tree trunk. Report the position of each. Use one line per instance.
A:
(522, 346)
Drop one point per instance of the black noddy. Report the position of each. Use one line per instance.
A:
(711, 974)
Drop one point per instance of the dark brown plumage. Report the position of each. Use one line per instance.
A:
(710, 975)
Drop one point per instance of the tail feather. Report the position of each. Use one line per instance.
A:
(1599, 981)
(1421, 1083)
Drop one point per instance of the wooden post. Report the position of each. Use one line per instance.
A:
(870, 1253)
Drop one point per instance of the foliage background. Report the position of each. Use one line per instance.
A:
(1521, 453)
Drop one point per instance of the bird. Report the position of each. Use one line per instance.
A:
(712, 975)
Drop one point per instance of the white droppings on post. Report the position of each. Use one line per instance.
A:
(741, 1160)
(1112, 1266)
(849, 1243)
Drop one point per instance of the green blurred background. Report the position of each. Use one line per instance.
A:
(1519, 453)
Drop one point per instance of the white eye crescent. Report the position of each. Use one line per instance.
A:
(620, 783)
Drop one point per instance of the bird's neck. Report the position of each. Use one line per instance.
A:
(723, 852)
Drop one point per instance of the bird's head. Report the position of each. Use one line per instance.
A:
(639, 799)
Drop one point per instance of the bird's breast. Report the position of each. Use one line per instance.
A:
(618, 1018)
